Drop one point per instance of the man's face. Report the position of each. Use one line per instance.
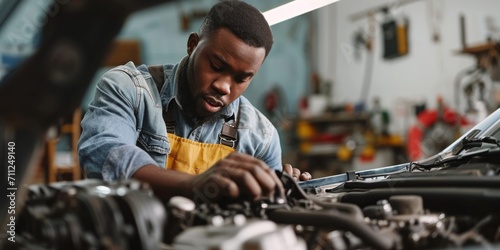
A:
(221, 67)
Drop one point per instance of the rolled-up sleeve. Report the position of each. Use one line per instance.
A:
(107, 147)
(123, 161)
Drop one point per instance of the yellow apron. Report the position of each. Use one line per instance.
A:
(194, 157)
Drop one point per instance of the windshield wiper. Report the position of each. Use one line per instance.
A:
(475, 142)
(465, 144)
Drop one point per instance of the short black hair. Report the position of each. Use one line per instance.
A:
(243, 20)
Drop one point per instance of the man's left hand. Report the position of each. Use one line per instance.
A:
(296, 174)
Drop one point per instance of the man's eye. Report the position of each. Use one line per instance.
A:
(215, 68)
(242, 79)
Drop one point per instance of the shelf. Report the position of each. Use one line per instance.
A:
(322, 140)
(321, 149)
(480, 49)
(333, 155)
(337, 118)
(65, 162)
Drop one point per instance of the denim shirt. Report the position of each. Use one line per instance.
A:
(123, 129)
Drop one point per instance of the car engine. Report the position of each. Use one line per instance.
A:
(447, 209)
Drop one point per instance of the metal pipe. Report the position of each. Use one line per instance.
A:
(331, 220)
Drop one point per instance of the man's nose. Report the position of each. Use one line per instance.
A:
(223, 85)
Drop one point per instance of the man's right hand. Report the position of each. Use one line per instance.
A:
(237, 175)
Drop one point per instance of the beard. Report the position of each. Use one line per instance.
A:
(188, 102)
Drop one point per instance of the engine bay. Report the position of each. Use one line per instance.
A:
(453, 207)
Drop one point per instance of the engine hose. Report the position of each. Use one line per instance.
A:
(350, 209)
(332, 221)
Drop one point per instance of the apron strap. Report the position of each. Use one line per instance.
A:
(156, 72)
(229, 134)
(169, 118)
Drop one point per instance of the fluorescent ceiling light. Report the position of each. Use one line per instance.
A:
(293, 9)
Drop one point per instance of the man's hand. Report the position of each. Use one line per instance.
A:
(295, 173)
(237, 175)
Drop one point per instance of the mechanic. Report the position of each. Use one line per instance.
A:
(185, 128)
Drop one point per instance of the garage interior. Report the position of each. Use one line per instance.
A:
(350, 86)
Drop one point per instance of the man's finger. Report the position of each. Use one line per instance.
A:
(248, 162)
(296, 174)
(215, 186)
(251, 176)
(228, 187)
(287, 168)
(305, 176)
(249, 183)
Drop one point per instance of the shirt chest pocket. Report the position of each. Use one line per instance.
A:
(153, 143)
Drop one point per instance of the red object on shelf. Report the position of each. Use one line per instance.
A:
(328, 138)
(425, 120)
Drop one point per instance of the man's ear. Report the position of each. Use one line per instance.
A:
(192, 42)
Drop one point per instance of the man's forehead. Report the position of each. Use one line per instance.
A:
(224, 42)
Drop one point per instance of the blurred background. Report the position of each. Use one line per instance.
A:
(353, 85)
